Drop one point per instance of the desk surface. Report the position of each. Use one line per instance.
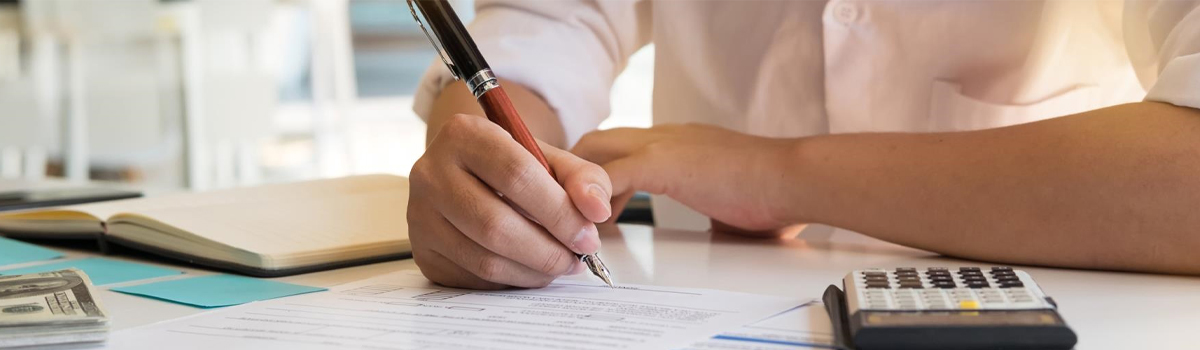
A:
(1106, 309)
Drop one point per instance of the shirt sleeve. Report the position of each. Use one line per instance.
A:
(1163, 42)
(568, 52)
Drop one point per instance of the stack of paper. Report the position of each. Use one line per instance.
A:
(405, 311)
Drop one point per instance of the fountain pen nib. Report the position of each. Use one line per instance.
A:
(597, 267)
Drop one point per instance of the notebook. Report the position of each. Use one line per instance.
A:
(266, 231)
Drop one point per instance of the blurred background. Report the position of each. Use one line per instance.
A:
(204, 94)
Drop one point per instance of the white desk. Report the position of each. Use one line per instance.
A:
(1107, 310)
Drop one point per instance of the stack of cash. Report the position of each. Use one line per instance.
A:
(50, 308)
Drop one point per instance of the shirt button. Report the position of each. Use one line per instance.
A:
(845, 13)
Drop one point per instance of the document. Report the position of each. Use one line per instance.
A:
(405, 311)
(803, 327)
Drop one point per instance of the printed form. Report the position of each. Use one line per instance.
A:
(403, 310)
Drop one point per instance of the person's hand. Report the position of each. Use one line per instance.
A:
(464, 234)
(731, 177)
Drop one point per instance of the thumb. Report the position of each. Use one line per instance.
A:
(586, 183)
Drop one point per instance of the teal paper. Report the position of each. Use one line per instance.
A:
(101, 271)
(16, 252)
(216, 290)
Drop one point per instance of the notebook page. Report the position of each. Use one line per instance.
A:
(306, 189)
(298, 219)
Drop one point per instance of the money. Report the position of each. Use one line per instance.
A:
(50, 308)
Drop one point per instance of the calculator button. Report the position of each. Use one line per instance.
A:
(932, 269)
(877, 285)
(1001, 268)
(977, 285)
(1011, 284)
(875, 273)
(964, 269)
(905, 269)
(968, 304)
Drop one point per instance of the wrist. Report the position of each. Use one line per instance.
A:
(800, 195)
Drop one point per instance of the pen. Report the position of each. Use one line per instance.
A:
(459, 53)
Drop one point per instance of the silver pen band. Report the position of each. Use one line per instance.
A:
(482, 82)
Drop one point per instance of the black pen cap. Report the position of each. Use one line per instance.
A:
(453, 37)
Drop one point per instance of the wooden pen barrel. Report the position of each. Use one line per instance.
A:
(500, 110)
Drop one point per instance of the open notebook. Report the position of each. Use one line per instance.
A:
(267, 231)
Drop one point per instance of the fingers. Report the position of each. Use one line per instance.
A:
(639, 172)
(449, 257)
(585, 182)
(442, 271)
(494, 226)
(509, 169)
(604, 146)
(465, 234)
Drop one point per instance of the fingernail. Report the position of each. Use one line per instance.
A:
(587, 241)
(596, 191)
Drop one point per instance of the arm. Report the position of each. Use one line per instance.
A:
(1116, 188)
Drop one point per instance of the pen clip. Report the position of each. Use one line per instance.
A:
(436, 46)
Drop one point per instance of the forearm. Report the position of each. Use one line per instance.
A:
(1116, 188)
(537, 115)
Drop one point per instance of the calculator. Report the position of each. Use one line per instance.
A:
(945, 308)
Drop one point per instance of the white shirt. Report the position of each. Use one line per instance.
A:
(798, 68)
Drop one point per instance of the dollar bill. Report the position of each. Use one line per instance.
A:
(48, 298)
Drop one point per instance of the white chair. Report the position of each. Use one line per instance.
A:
(333, 85)
(102, 91)
(23, 120)
(230, 93)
